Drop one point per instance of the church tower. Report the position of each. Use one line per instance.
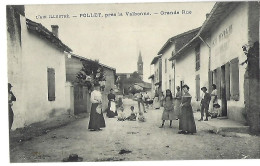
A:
(140, 65)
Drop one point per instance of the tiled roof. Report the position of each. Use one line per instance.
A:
(40, 30)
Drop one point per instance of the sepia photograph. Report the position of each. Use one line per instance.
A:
(142, 81)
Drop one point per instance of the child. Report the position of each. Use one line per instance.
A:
(218, 110)
(132, 117)
(168, 113)
(120, 110)
(141, 117)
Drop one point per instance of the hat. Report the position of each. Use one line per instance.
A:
(186, 86)
(73, 158)
(204, 88)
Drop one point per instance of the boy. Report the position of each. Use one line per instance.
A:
(205, 100)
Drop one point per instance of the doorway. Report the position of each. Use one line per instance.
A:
(223, 91)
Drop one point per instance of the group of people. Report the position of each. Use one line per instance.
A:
(179, 108)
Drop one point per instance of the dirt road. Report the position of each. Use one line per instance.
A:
(133, 141)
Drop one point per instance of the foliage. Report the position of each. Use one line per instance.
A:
(92, 72)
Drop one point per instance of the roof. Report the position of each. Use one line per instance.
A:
(217, 14)
(155, 59)
(151, 76)
(144, 85)
(170, 41)
(83, 58)
(40, 30)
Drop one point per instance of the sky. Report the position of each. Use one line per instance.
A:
(117, 40)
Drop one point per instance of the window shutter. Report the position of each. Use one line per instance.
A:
(227, 80)
(234, 72)
(218, 82)
(198, 87)
(51, 84)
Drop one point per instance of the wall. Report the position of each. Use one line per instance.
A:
(169, 74)
(32, 103)
(230, 47)
(185, 71)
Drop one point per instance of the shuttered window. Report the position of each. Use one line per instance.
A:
(197, 54)
(227, 80)
(234, 79)
(51, 84)
(165, 65)
(198, 87)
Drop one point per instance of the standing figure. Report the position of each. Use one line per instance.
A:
(186, 122)
(111, 111)
(96, 120)
(140, 102)
(161, 99)
(156, 102)
(214, 99)
(177, 102)
(168, 112)
(204, 104)
(11, 98)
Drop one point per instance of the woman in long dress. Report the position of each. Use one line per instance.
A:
(111, 98)
(156, 102)
(214, 100)
(186, 122)
(177, 103)
(96, 120)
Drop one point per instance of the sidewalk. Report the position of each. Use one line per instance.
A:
(223, 125)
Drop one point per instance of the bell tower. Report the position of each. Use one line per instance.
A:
(140, 65)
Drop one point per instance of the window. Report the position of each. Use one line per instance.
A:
(234, 79)
(51, 84)
(165, 65)
(197, 54)
(198, 87)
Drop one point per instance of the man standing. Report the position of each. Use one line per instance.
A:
(205, 100)
(11, 98)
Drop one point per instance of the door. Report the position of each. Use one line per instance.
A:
(223, 91)
(81, 99)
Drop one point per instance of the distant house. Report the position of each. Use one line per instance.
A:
(36, 68)
(215, 54)
(81, 98)
(156, 78)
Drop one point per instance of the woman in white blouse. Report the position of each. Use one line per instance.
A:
(214, 98)
(96, 120)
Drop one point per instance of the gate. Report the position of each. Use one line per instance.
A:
(81, 99)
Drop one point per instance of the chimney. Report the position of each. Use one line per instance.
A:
(207, 15)
(55, 30)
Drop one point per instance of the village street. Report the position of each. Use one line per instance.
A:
(135, 140)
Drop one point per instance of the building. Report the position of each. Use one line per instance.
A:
(36, 69)
(156, 78)
(167, 67)
(215, 54)
(81, 93)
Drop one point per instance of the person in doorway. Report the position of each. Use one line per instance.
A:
(111, 111)
(186, 122)
(146, 98)
(140, 102)
(204, 104)
(168, 112)
(177, 102)
(214, 99)
(11, 98)
(161, 99)
(96, 120)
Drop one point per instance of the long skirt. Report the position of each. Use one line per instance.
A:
(96, 120)
(156, 103)
(11, 117)
(110, 114)
(187, 122)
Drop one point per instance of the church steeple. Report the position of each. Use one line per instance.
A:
(140, 65)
